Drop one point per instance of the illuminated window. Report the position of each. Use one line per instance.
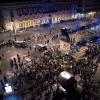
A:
(33, 22)
(20, 25)
(29, 23)
(24, 23)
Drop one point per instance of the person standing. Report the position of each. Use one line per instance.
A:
(11, 63)
(18, 57)
(0, 72)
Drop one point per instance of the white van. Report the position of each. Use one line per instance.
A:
(41, 47)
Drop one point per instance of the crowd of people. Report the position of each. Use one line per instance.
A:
(37, 75)
(40, 74)
(44, 67)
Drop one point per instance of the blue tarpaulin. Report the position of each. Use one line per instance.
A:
(82, 43)
(13, 97)
(50, 25)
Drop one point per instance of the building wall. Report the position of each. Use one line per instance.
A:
(31, 15)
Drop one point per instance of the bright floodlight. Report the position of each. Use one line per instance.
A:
(6, 84)
(66, 75)
(8, 88)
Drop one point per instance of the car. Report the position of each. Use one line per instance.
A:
(21, 44)
(40, 47)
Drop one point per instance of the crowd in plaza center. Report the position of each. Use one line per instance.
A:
(41, 72)
(39, 76)
(36, 73)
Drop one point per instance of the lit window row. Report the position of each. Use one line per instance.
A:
(39, 21)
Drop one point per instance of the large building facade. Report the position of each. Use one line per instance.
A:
(24, 15)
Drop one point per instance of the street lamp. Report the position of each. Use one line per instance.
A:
(14, 30)
(8, 88)
(83, 6)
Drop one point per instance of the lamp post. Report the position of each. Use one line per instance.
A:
(14, 30)
(83, 6)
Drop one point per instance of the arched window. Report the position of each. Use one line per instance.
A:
(25, 12)
(19, 11)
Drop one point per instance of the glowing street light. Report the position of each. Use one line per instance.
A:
(8, 88)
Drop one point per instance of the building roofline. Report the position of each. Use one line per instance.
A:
(33, 2)
(26, 3)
